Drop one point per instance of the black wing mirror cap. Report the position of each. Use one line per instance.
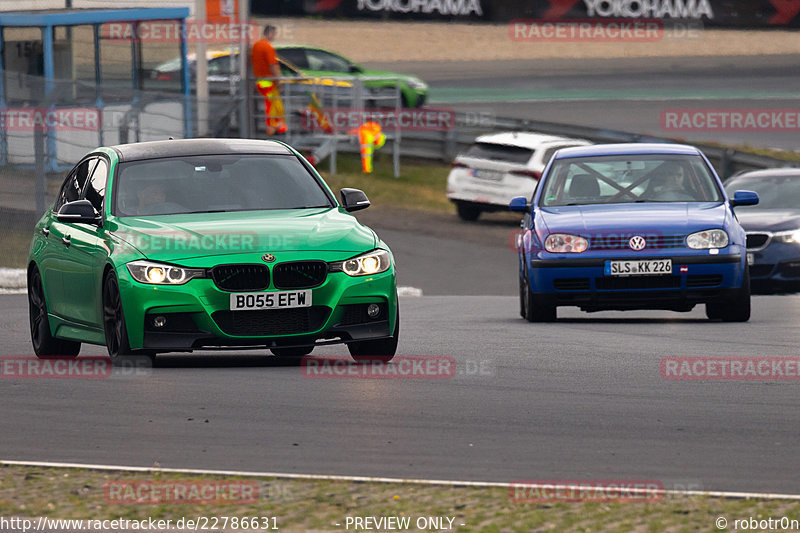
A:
(81, 211)
(354, 200)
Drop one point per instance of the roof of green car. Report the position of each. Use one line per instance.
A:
(190, 147)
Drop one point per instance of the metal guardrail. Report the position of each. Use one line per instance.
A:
(445, 145)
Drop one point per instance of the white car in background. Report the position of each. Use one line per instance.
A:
(498, 167)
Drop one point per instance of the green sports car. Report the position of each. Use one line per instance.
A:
(316, 62)
(181, 245)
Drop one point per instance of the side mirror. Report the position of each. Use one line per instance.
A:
(78, 211)
(354, 199)
(744, 198)
(355, 69)
(520, 203)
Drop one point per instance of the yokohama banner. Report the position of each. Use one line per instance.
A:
(731, 13)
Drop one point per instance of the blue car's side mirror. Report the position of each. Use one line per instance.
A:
(744, 198)
(520, 203)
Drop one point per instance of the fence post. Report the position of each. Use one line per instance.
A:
(39, 157)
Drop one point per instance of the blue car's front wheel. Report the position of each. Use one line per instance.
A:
(535, 307)
(735, 309)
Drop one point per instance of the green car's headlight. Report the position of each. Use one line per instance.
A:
(373, 262)
(416, 83)
(162, 274)
(707, 239)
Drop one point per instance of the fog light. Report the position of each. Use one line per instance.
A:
(373, 310)
(160, 321)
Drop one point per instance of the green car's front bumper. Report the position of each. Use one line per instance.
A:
(197, 314)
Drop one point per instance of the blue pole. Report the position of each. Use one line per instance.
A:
(98, 83)
(3, 139)
(49, 84)
(185, 83)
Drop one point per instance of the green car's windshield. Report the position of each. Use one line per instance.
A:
(774, 192)
(215, 183)
(622, 179)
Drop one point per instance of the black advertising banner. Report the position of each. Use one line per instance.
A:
(723, 13)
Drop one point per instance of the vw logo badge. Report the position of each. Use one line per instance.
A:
(637, 243)
(268, 258)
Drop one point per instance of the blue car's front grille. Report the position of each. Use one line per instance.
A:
(620, 242)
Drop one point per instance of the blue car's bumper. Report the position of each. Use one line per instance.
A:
(696, 278)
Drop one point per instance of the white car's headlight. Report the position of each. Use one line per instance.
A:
(154, 273)
(791, 236)
(373, 262)
(558, 243)
(707, 239)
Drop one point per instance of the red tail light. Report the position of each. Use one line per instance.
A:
(527, 173)
(458, 164)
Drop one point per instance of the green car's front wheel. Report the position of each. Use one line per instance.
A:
(117, 342)
(381, 350)
(44, 344)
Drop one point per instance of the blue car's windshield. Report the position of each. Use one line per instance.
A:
(774, 192)
(214, 183)
(622, 179)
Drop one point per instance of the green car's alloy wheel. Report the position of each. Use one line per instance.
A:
(44, 345)
(113, 319)
(381, 350)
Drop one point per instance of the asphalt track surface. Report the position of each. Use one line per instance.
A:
(582, 398)
(627, 94)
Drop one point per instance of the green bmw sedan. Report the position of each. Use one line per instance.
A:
(179, 245)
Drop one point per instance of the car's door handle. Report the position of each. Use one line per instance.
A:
(45, 232)
(66, 240)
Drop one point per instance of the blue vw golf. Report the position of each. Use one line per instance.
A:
(632, 226)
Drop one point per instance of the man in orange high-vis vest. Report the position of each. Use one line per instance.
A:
(371, 138)
(267, 71)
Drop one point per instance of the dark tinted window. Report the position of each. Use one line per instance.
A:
(73, 186)
(201, 184)
(319, 60)
(774, 192)
(500, 152)
(95, 190)
(295, 56)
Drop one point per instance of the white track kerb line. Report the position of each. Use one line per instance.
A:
(315, 477)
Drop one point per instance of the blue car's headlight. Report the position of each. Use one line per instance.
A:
(558, 243)
(707, 239)
(373, 262)
(790, 237)
(154, 273)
